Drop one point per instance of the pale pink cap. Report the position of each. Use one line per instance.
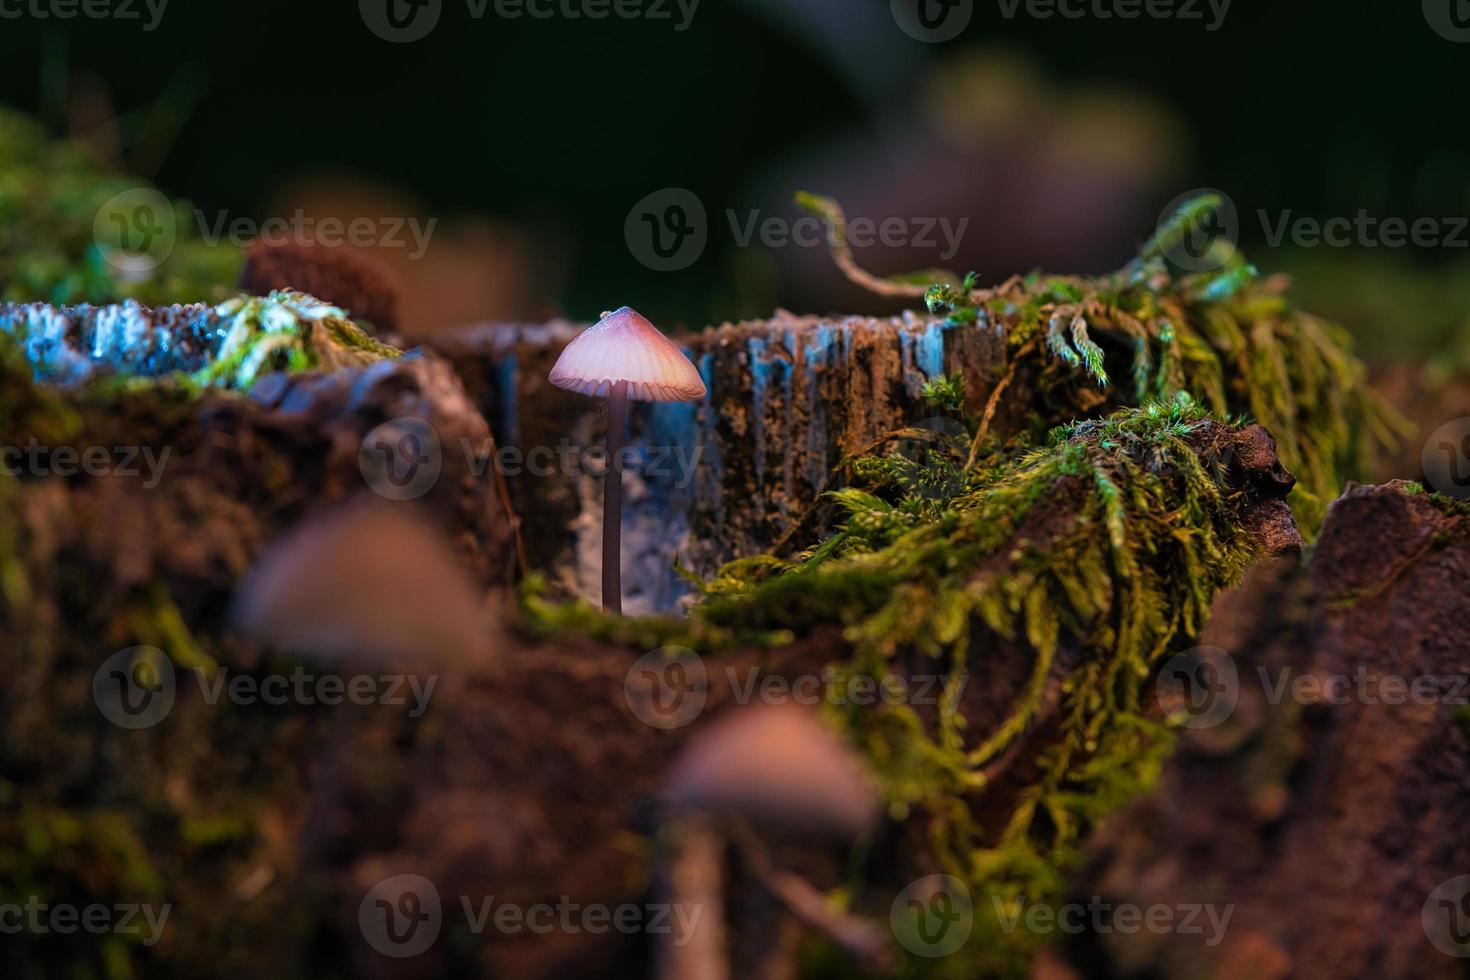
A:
(623, 346)
(775, 764)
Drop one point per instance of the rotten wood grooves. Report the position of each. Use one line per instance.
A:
(789, 398)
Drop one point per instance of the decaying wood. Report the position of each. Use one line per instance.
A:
(533, 779)
(1326, 808)
(790, 398)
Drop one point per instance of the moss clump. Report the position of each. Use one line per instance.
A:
(1117, 534)
(1107, 537)
(182, 813)
(225, 346)
(285, 330)
(1228, 339)
(74, 233)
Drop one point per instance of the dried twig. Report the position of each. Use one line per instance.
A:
(993, 402)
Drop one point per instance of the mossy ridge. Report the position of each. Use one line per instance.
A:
(285, 330)
(1146, 538)
(195, 347)
(1227, 338)
(85, 854)
(71, 828)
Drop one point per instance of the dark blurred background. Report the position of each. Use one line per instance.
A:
(530, 140)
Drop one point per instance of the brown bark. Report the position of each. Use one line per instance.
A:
(533, 779)
(1326, 817)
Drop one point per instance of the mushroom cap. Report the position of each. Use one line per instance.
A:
(367, 582)
(624, 346)
(779, 766)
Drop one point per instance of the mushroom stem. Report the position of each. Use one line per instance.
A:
(612, 502)
(691, 881)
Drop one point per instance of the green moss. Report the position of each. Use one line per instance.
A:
(128, 346)
(1115, 535)
(1449, 506)
(1227, 339)
(286, 330)
(65, 223)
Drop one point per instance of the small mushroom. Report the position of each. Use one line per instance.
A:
(776, 766)
(623, 356)
(366, 581)
(759, 772)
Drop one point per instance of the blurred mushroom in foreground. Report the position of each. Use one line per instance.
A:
(761, 773)
(368, 581)
(623, 356)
